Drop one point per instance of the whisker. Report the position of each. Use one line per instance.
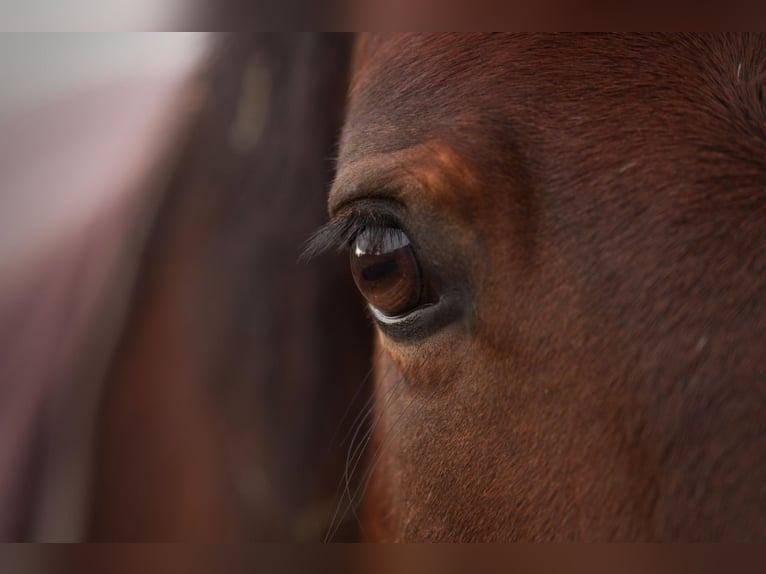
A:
(350, 502)
(358, 450)
(362, 445)
(356, 427)
(378, 455)
(358, 493)
(351, 403)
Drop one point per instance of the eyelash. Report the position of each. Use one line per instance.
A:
(340, 233)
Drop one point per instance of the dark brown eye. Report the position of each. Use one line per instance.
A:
(385, 270)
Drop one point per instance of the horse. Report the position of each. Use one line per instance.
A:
(560, 242)
(547, 326)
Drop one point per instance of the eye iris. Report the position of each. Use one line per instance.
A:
(385, 270)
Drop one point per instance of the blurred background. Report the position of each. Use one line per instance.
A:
(80, 15)
(168, 369)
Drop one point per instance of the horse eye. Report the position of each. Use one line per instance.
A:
(385, 270)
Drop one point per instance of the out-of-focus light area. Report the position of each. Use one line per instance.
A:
(78, 15)
(79, 113)
(83, 120)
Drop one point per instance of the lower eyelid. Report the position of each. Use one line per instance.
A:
(382, 317)
(389, 320)
(421, 322)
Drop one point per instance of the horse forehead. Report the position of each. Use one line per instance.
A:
(487, 96)
(414, 79)
(466, 89)
(411, 103)
(416, 71)
(448, 81)
(447, 107)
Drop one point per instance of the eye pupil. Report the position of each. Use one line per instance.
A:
(378, 271)
(385, 270)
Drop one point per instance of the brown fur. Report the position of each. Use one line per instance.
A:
(602, 198)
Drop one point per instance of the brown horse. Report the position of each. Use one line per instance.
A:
(561, 241)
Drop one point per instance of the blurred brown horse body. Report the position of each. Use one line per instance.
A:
(233, 374)
(595, 204)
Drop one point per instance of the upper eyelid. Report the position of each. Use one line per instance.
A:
(381, 177)
(375, 207)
